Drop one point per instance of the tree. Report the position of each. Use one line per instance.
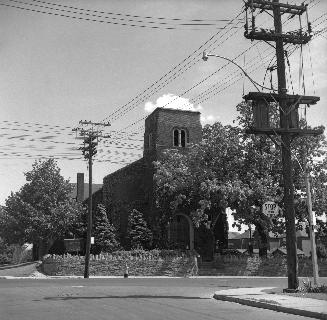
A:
(138, 233)
(42, 210)
(230, 168)
(105, 233)
(202, 181)
(262, 175)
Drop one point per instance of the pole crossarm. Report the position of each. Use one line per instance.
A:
(282, 131)
(283, 7)
(274, 97)
(294, 37)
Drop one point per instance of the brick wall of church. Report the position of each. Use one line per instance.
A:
(124, 190)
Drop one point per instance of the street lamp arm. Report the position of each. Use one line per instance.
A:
(205, 58)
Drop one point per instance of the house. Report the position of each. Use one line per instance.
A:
(302, 241)
(238, 240)
(281, 251)
(132, 187)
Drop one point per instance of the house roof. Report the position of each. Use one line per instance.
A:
(283, 251)
(299, 233)
(233, 235)
(237, 235)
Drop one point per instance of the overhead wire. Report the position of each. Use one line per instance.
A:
(172, 74)
(128, 15)
(117, 21)
(144, 117)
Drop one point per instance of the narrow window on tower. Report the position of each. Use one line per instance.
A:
(176, 138)
(183, 139)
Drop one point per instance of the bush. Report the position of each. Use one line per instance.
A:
(4, 259)
(138, 233)
(310, 288)
(6, 252)
(321, 251)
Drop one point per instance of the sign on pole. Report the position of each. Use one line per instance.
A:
(270, 209)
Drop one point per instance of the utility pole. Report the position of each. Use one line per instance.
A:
(288, 110)
(312, 230)
(91, 137)
(292, 261)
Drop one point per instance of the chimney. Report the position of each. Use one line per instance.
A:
(80, 187)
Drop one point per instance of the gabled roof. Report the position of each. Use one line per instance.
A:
(237, 235)
(283, 251)
(233, 235)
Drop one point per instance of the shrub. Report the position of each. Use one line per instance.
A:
(310, 288)
(105, 233)
(321, 251)
(138, 233)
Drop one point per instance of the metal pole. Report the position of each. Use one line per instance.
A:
(312, 232)
(292, 261)
(89, 220)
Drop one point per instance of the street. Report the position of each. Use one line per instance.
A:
(174, 298)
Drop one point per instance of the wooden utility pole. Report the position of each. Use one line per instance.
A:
(292, 261)
(288, 110)
(312, 230)
(91, 137)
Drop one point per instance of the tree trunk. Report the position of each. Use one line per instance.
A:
(35, 251)
(263, 240)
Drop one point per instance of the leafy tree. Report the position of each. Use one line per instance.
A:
(42, 210)
(104, 232)
(230, 168)
(262, 174)
(202, 181)
(138, 233)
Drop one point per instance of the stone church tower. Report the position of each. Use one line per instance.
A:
(170, 128)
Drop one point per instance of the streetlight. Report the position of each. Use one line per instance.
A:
(206, 56)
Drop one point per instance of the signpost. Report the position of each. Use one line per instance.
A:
(270, 209)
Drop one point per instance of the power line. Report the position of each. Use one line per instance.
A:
(130, 15)
(157, 88)
(171, 71)
(117, 21)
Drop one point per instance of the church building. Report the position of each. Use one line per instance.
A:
(132, 187)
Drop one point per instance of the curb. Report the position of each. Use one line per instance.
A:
(274, 307)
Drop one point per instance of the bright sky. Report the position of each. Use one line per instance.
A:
(56, 71)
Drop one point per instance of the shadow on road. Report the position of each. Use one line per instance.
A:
(126, 297)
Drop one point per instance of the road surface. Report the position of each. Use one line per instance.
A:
(128, 299)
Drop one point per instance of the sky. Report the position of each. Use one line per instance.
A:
(114, 61)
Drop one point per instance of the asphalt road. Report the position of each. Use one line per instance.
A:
(182, 298)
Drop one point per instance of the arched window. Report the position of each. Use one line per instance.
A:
(180, 138)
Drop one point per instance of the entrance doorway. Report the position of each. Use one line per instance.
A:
(181, 232)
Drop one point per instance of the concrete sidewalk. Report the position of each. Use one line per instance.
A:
(256, 297)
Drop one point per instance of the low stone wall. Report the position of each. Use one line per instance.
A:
(151, 263)
(173, 263)
(269, 267)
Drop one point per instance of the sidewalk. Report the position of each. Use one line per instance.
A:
(255, 297)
